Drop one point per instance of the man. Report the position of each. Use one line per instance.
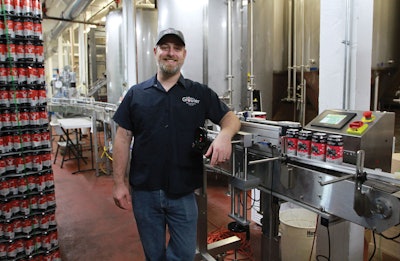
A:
(162, 115)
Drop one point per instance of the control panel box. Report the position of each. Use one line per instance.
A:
(371, 131)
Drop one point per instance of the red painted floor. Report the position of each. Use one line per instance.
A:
(91, 227)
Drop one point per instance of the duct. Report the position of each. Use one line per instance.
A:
(76, 9)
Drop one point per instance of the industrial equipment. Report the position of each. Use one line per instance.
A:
(353, 187)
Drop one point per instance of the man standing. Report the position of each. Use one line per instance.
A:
(162, 115)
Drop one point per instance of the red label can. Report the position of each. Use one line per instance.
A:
(334, 149)
(304, 144)
(292, 139)
(318, 146)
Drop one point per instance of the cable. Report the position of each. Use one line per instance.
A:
(314, 237)
(373, 252)
(244, 248)
(329, 247)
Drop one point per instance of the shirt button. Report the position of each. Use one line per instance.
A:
(166, 126)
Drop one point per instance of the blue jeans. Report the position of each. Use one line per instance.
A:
(154, 211)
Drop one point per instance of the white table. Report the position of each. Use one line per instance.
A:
(67, 124)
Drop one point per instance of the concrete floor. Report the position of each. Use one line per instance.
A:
(91, 227)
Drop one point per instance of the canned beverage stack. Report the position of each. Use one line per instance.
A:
(28, 229)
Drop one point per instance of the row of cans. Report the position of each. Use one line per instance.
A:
(7, 251)
(32, 8)
(27, 226)
(23, 95)
(21, 51)
(15, 118)
(24, 185)
(315, 145)
(22, 207)
(22, 73)
(37, 248)
(23, 141)
(25, 163)
(13, 27)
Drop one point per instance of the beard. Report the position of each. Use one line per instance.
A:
(167, 69)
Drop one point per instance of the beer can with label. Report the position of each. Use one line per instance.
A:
(292, 139)
(318, 146)
(334, 149)
(304, 144)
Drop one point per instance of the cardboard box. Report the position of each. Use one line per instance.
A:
(386, 250)
(395, 162)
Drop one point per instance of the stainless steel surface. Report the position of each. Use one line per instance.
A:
(348, 192)
(115, 57)
(376, 141)
(330, 189)
(146, 33)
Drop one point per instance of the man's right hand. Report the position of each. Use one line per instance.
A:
(122, 197)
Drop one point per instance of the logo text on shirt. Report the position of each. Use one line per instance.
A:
(190, 101)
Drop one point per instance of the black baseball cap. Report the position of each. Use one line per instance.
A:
(170, 31)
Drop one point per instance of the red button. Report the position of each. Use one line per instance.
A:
(367, 114)
(356, 124)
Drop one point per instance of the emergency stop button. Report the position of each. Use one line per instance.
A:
(368, 116)
(357, 127)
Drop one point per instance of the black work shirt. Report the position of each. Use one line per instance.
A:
(163, 126)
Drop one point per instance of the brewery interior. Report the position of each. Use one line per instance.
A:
(314, 171)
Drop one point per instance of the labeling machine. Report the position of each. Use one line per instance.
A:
(360, 190)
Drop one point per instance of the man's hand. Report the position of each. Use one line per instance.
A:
(220, 149)
(122, 197)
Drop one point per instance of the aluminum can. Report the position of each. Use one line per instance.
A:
(4, 97)
(37, 8)
(10, 51)
(304, 144)
(39, 52)
(318, 146)
(18, 7)
(292, 139)
(12, 73)
(8, 6)
(22, 73)
(29, 246)
(30, 52)
(334, 149)
(2, 166)
(3, 73)
(20, 51)
(37, 29)
(28, 28)
(18, 27)
(25, 210)
(9, 26)
(27, 7)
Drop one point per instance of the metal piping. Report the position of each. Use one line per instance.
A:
(290, 89)
(347, 57)
(376, 91)
(72, 13)
(230, 75)
(45, 17)
(205, 42)
(303, 90)
(251, 83)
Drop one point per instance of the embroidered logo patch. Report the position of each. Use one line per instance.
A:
(190, 101)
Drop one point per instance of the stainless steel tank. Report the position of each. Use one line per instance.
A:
(114, 56)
